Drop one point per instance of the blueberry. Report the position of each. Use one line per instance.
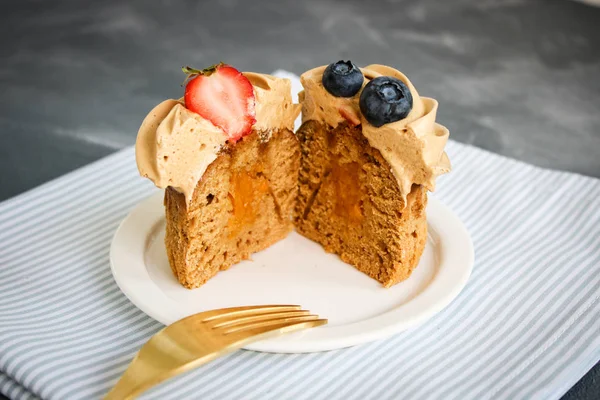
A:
(384, 100)
(342, 79)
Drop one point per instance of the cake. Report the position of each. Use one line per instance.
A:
(354, 178)
(370, 151)
(228, 159)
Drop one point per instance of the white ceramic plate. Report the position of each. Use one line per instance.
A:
(296, 271)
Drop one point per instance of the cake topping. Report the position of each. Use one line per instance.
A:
(342, 79)
(224, 96)
(413, 145)
(385, 99)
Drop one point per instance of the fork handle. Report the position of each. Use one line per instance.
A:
(125, 389)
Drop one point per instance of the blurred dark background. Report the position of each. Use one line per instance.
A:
(516, 77)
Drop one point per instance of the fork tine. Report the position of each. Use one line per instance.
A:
(242, 327)
(280, 327)
(245, 311)
(234, 321)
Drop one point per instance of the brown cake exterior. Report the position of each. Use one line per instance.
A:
(349, 202)
(242, 204)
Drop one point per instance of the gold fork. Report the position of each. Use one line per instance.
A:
(200, 338)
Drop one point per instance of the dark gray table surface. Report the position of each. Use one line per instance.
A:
(517, 77)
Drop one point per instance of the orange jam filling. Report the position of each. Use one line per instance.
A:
(346, 183)
(247, 187)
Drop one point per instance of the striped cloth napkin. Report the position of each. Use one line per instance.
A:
(527, 325)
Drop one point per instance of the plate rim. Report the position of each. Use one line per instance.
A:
(456, 259)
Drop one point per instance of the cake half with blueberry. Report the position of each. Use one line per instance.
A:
(228, 158)
(370, 151)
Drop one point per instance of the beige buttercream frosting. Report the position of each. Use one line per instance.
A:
(175, 146)
(413, 146)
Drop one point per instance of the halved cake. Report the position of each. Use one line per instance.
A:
(355, 177)
(229, 161)
(370, 152)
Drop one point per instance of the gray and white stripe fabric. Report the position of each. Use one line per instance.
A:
(527, 325)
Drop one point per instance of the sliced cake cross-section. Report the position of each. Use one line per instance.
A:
(228, 159)
(368, 157)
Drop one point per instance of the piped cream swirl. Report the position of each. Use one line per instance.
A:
(413, 146)
(175, 146)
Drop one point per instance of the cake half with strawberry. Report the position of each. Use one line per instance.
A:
(371, 150)
(228, 159)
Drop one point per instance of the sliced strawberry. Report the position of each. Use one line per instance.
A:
(224, 96)
(349, 115)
